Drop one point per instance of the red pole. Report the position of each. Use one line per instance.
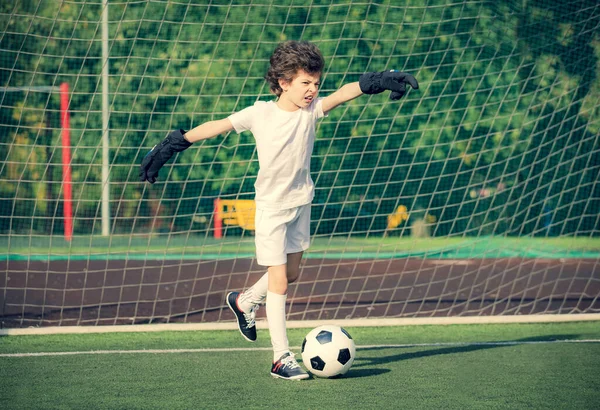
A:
(218, 220)
(66, 160)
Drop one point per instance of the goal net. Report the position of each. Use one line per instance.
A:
(475, 195)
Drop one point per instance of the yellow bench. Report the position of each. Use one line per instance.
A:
(238, 212)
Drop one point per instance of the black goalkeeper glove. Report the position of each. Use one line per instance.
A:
(161, 153)
(395, 81)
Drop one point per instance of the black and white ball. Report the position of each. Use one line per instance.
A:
(328, 351)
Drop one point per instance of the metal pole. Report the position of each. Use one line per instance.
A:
(66, 160)
(105, 125)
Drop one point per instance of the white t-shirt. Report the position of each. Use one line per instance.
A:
(284, 141)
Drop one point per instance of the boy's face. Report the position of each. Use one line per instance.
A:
(300, 92)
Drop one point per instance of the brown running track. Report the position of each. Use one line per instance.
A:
(105, 292)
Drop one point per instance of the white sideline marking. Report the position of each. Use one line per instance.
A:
(297, 324)
(258, 349)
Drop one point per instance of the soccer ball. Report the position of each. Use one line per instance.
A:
(328, 351)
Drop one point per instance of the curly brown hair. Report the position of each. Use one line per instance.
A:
(288, 58)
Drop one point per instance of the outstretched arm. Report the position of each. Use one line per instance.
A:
(208, 130)
(371, 83)
(346, 93)
(178, 141)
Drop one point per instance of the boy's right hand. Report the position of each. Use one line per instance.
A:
(395, 81)
(161, 153)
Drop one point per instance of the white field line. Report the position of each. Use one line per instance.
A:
(296, 324)
(259, 349)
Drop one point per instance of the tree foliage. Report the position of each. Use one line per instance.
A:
(502, 133)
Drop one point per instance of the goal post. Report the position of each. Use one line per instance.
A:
(65, 131)
(66, 160)
(476, 195)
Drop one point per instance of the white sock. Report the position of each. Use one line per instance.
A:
(276, 320)
(254, 295)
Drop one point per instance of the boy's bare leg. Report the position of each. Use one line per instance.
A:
(293, 266)
(257, 293)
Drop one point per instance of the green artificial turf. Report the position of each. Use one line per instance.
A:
(454, 366)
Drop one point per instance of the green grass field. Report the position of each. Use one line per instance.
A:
(533, 366)
(202, 247)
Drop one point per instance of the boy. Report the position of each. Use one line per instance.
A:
(284, 131)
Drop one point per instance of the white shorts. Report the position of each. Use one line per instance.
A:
(279, 233)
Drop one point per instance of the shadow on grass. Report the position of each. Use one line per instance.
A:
(359, 370)
(356, 373)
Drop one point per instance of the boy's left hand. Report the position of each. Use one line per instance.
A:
(395, 81)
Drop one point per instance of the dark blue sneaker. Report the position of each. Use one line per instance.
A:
(246, 321)
(288, 368)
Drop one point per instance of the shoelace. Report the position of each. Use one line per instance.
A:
(251, 317)
(290, 362)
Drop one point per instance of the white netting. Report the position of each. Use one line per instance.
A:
(477, 194)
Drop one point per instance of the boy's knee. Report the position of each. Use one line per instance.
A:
(293, 266)
(292, 275)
